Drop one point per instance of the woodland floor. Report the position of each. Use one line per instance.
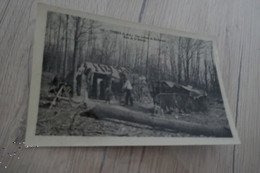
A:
(64, 119)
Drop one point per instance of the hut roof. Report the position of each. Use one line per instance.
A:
(192, 90)
(124, 70)
(169, 83)
(103, 69)
(188, 88)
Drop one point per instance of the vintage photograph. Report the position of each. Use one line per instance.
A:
(101, 78)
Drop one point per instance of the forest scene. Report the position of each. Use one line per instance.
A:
(102, 79)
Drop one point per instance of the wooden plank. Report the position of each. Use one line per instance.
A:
(234, 22)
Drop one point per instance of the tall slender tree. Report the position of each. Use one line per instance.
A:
(75, 52)
(147, 55)
(65, 63)
(159, 57)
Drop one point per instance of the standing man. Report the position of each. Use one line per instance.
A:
(108, 90)
(128, 89)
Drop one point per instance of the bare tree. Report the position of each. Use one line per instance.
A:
(66, 47)
(147, 55)
(206, 72)
(71, 41)
(107, 49)
(75, 52)
(213, 72)
(180, 55)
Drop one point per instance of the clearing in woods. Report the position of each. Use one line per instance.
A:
(65, 119)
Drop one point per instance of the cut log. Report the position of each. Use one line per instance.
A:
(109, 112)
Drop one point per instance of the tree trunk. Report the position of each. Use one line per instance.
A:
(141, 60)
(159, 55)
(136, 57)
(187, 78)
(108, 112)
(172, 60)
(125, 52)
(66, 49)
(187, 63)
(206, 74)
(179, 61)
(147, 56)
(58, 57)
(198, 67)
(75, 58)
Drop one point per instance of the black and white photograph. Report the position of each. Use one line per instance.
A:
(101, 78)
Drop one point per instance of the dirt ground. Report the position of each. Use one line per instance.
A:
(64, 118)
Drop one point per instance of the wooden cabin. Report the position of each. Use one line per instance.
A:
(99, 77)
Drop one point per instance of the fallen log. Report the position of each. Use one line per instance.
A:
(109, 112)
